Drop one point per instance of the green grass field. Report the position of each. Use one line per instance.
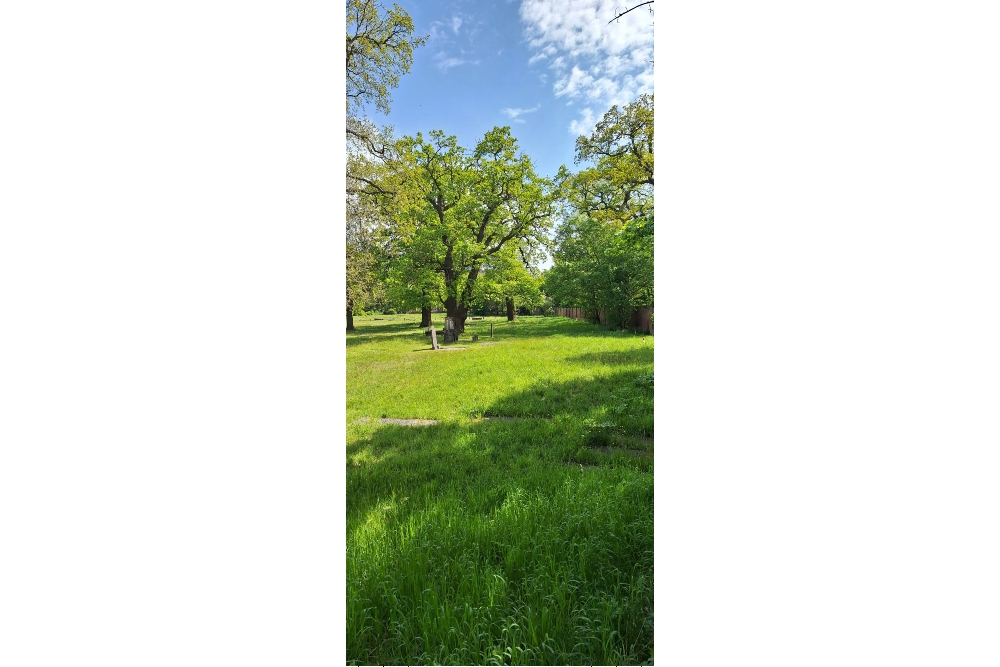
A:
(518, 529)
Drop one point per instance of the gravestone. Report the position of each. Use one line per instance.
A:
(475, 338)
(450, 334)
(434, 340)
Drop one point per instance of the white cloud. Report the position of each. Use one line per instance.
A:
(573, 83)
(445, 62)
(607, 64)
(543, 77)
(585, 125)
(456, 23)
(514, 113)
(603, 89)
(436, 32)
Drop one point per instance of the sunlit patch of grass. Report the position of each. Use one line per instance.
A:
(499, 541)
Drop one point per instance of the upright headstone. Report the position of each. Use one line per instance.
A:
(434, 340)
(491, 330)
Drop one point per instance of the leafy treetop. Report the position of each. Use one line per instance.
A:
(379, 50)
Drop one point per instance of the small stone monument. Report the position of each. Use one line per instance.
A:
(475, 338)
(434, 340)
(450, 334)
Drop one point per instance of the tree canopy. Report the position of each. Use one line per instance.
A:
(380, 44)
(604, 248)
(462, 208)
(509, 279)
(618, 184)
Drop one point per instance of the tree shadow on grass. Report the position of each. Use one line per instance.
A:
(641, 354)
(488, 518)
(536, 326)
(383, 331)
(524, 327)
(527, 435)
(450, 458)
(619, 400)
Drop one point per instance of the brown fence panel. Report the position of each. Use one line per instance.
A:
(641, 320)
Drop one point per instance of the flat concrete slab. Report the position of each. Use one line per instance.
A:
(407, 422)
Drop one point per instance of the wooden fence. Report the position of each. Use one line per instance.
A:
(641, 320)
(575, 313)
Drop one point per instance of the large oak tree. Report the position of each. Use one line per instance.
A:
(462, 208)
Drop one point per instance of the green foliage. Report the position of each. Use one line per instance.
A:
(506, 277)
(603, 258)
(412, 283)
(603, 265)
(380, 45)
(456, 210)
(621, 145)
(366, 255)
(618, 186)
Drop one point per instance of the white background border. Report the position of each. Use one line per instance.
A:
(171, 292)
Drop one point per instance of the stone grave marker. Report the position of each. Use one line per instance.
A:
(450, 334)
(434, 340)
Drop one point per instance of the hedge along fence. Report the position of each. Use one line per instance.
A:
(641, 320)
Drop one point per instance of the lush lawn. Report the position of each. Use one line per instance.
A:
(519, 528)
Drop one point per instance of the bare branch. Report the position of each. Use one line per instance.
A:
(628, 10)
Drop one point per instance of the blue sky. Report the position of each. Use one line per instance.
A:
(547, 69)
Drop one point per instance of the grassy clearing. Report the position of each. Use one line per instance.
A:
(519, 528)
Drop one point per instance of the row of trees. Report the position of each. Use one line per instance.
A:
(430, 223)
(603, 252)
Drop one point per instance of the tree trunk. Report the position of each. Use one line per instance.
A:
(511, 314)
(425, 316)
(455, 307)
(350, 318)
(457, 312)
